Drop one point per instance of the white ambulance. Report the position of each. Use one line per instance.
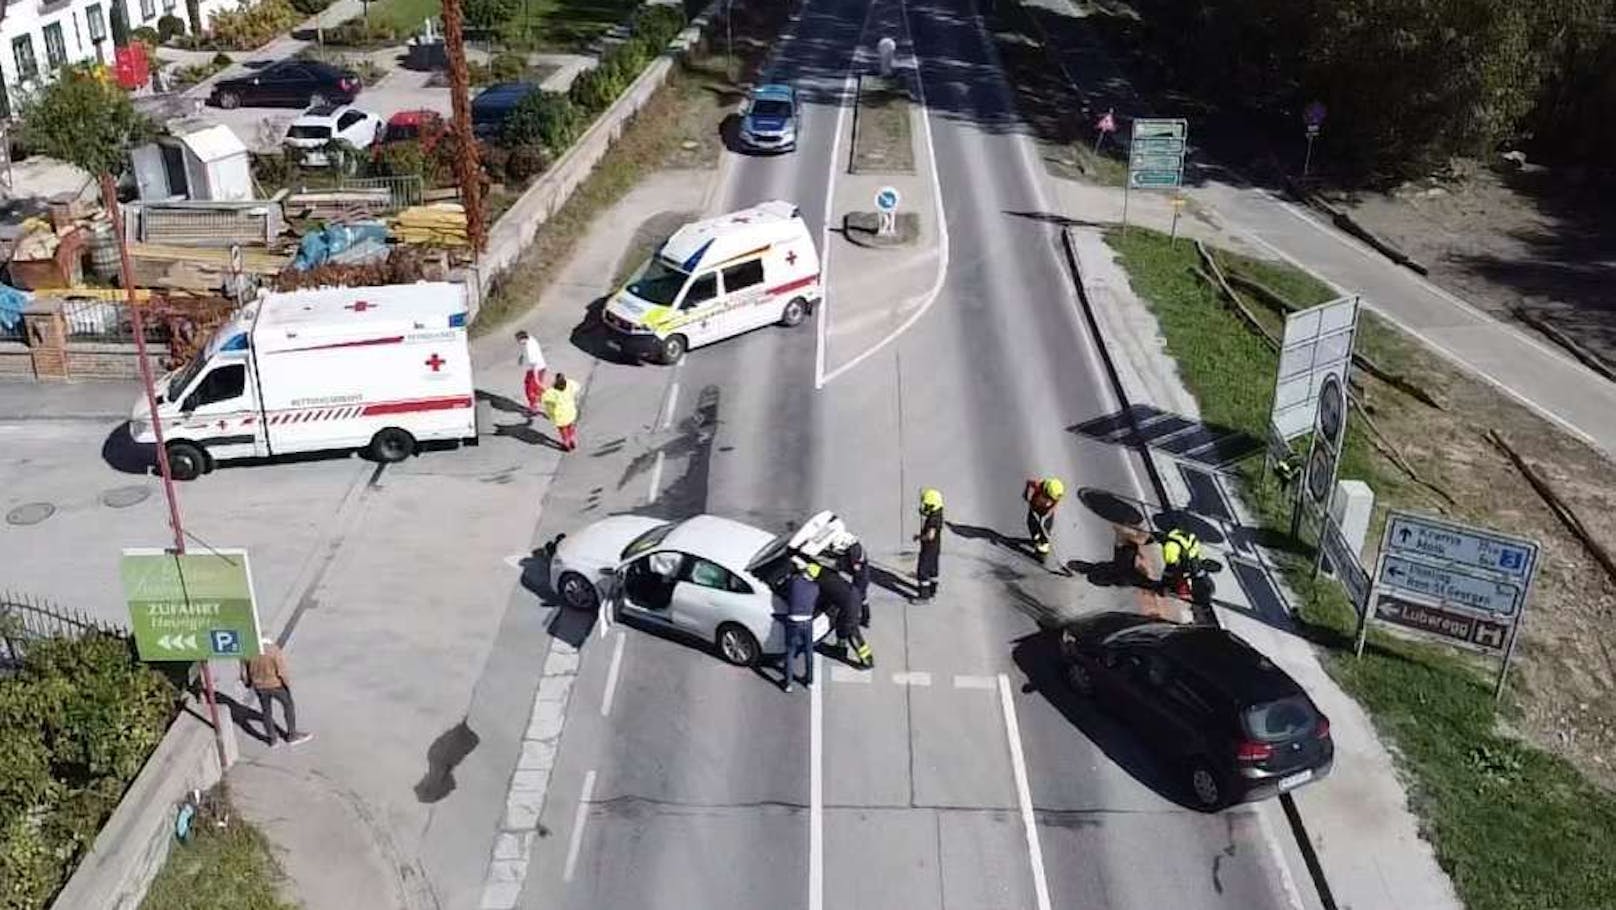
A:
(375, 368)
(715, 279)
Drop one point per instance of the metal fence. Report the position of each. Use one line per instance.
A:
(402, 191)
(107, 322)
(24, 619)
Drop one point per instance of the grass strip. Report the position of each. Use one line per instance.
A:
(1515, 827)
(230, 866)
(881, 140)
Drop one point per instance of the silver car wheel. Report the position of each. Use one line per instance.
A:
(737, 645)
(1205, 785)
(578, 593)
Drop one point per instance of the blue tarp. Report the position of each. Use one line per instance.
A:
(319, 246)
(12, 303)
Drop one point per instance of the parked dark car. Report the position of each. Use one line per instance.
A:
(289, 83)
(495, 103)
(1234, 727)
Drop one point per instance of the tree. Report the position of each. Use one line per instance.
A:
(488, 15)
(83, 118)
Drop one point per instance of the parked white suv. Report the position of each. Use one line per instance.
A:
(310, 134)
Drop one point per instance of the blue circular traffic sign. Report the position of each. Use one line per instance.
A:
(887, 199)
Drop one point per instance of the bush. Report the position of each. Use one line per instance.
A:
(658, 24)
(252, 25)
(76, 724)
(526, 162)
(170, 27)
(545, 118)
(357, 32)
(507, 66)
(146, 35)
(401, 159)
(273, 170)
(594, 90)
(222, 60)
(310, 7)
(494, 160)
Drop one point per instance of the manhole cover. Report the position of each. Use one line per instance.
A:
(30, 513)
(124, 497)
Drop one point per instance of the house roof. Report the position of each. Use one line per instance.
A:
(215, 143)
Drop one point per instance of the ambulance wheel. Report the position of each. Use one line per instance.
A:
(391, 445)
(737, 645)
(673, 349)
(794, 313)
(186, 461)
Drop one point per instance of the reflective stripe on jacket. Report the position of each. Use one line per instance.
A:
(1178, 544)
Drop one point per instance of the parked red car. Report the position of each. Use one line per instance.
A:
(423, 126)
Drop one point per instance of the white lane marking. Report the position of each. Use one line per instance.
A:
(1018, 764)
(578, 819)
(912, 678)
(530, 783)
(515, 560)
(975, 682)
(656, 477)
(824, 239)
(816, 792)
(930, 297)
(672, 402)
(841, 674)
(611, 676)
(1276, 855)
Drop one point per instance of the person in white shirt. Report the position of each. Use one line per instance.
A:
(531, 358)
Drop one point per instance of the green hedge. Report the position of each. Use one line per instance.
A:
(77, 722)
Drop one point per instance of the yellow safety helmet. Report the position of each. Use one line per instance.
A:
(1053, 488)
(931, 500)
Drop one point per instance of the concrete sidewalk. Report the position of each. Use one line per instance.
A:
(107, 402)
(1357, 820)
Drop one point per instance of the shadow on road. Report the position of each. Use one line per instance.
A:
(442, 757)
(1038, 657)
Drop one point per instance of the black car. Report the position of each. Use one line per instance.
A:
(289, 83)
(1236, 727)
(494, 104)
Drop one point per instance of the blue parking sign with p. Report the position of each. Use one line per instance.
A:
(225, 641)
(1511, 559)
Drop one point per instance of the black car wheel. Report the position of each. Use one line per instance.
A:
(1206, 786)
(391, 445)
(673, 349)
(186, 461)
(795, 312)
(577, 592)
(229, 100)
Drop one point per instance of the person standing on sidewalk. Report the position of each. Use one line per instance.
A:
(560, 403)
(531, 358)
(267, 676)
(931, 545)
(802, 595)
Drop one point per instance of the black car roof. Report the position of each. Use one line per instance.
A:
(1226, 661)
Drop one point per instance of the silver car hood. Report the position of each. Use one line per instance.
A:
(600, 545)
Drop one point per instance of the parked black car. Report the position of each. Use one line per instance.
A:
(495, 103)
(1236, 727)
(293, 83)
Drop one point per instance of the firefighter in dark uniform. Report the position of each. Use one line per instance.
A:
(931, 545)
(852, 560)
(839, 595)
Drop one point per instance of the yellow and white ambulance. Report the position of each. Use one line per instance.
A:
(714, 279)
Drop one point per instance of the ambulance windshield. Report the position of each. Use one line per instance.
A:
(658, 282)
(182, 379)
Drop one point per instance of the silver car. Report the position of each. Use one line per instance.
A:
(708, 577)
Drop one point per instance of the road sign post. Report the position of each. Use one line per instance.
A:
(1178, 206)
(1463, 585)
(1106, 124)
(886, 204)
(1312, 119)
(1155, 158)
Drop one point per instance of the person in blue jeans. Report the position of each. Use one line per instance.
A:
(802, 593)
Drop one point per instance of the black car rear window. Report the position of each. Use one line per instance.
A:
(1281, 720)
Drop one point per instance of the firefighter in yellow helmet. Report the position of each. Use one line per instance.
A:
(931, 544)
(1042, 495)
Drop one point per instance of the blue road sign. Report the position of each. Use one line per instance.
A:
(1459, 544)
(887, 199)
(225, 641)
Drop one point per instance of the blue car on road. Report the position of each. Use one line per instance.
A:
(769, 120)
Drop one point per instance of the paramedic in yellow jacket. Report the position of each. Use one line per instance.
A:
(560, 404)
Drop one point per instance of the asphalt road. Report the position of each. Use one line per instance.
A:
(700, 778)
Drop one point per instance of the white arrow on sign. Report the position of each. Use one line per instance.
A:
(1451, 585)
(177, 642)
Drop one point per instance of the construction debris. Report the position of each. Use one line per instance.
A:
(439, 224)
(403, 265)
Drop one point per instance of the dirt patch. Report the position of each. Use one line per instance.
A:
(881, 137)
(1506, 238)
(647, 237)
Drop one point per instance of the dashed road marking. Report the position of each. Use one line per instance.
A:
(578, 819)
(841, 674)
(975, 682)
(912, 678)
(1018, 764)
(611, 676)
(656, 477)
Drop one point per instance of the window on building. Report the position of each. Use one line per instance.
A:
(168, 6)
(22, 50)
(148, 9)
(97, 22)
(55, 47)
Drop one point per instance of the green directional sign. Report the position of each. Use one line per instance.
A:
(189, 607)
(1156, 154)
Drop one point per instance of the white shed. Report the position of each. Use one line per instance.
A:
(205, 163)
